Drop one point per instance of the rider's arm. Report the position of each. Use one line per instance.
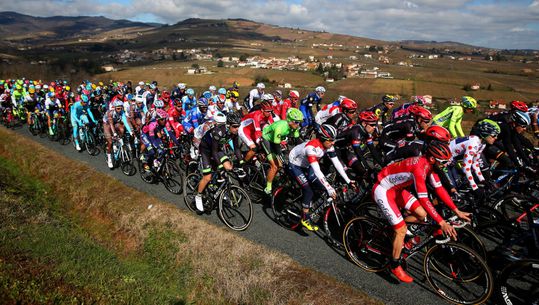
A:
(441, 192)
(111, 121)
(126, 123)
(422, 192)
(338, 165)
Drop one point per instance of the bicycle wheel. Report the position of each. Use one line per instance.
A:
(518, 283)
(62, 133)
(34, 127)
(367, 244)
(449, 268)
(286, 207)
(235, 208)
(190, 184)
(256, 181)
(335, 219)
(91, 145)
(127, 166)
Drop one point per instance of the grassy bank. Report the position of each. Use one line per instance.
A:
(69, 234)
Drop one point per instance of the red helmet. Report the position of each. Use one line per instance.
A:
(348, 104)
(439, 150)
(293, 94)
(438, 133)
(165, 94)
(518, 105)
(266, 106)
(368, 117)
(420, 112)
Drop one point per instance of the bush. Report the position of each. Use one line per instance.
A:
(220, 64)
(260, 78)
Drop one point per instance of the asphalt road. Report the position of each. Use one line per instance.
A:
(308, 249)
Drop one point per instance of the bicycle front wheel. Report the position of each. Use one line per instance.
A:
(91, 144)
(190, 185)
(235, 208)
(519, 283)
(458, 274)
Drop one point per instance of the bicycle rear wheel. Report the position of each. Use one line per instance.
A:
(458, 274)
(334, 222)
(235, 208)
(367, 244)
(91, 145)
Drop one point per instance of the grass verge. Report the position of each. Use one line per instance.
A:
(85, 237)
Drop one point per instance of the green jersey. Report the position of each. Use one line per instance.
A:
(278, 132)
(451, 118)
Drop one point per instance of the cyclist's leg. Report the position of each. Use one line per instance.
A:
(274, 164)
(247, 137)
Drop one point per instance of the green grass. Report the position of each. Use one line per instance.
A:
(47, 257)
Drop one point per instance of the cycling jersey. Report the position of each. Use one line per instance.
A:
(402, 110)
(232, 106)
(356, 136)
(381, 111)
(327, 111)
(188, 103)
(513, 144)
(52, 105)
(212, 146)
(112, 117)
(396, 133)
(193, 118)
(177, 93)
(254, 95)
(285, 105)
(451, 119)
(339, 121)
(394, 183)
(175, 119)
(278, 133)
(470, 149)
(77, 110)
(251, 126)
(306, 107)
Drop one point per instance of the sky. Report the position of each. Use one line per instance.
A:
(490, 23)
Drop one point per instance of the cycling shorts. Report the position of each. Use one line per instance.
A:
(392, 201)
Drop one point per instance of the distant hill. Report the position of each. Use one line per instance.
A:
(17, 27)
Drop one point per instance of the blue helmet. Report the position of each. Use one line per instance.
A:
(221, 91)
(207, 94)
(190, 92)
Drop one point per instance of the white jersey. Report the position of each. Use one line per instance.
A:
(326, 112)
(470, 148)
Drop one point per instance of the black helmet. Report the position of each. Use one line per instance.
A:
(327, 132)
(233, 118)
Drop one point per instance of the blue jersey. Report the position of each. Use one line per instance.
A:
(78, 109)
(188, 103)
(311, 99)
(193, 119)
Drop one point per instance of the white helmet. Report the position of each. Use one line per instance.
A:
(320, 89)
(141, 83)
(261, 86)
(181, 86)
(212, 88)
(219, 118)
(267, 97)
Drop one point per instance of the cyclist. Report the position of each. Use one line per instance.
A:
(179, 91)
(407, 128)
(175, 117)
(254, 95)
(196, 116)
(218, 106)
(392, 192)
(383, 109)
(212, 150)
(276, 135)
(115, 122)
(511, 139)
(252, 123)
(306, 169)
(306, 105)
(469, 150)
(138, 114)
(290, 102)
(189, 100)
(152, 112)
(345, 118)
(451, 117)
(151, 138)
(356, 137)
(77, 110)
(52, 105)
(403, 109)
(232, 101)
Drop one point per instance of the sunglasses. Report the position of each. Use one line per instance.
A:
(234, 126)
(118, 108)
(220, 102)
(443, 162)
(372, 125)
(297, 122)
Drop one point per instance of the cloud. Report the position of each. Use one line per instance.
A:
(489, 23)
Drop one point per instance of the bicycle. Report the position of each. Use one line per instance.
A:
(37, 127)
(232, 202)
(165, 170)
(368, 244)
(87, 138)
(122, 156)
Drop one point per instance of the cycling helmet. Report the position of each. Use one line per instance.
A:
(141, 83)
(389, 98)
(278, 94)
(348, 104)
(130, 96)
(368, 117)
(233, 118)
(159, 104)
(438, 133)
(232, 93)
(190, 92)
(468, 102)
(518, 105)
(236, 85)
(161, 114)
(219, 118)
(153, 86)
(212, 88)
(420, 113)
(320, 89)
(439, 150)
(221, 98)
(293, 94)
(267, 97)
(221, 91)
(521, 118)
(177, 101)
(266, 106)
(207, 94)
(260, 86)
(118, 103)
(165, 94)
(487, 128)
(181, 86)
(293, 114)
(202, 103)
(327, 132)
(50, 94)
(120, 91)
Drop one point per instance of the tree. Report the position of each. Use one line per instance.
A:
(243, 57)
(320, 68)
(196, 66)
(220, 64)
